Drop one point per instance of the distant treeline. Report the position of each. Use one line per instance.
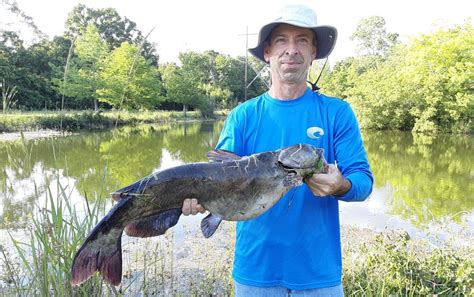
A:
(103, 61)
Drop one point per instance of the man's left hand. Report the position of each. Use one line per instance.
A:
(330, 183)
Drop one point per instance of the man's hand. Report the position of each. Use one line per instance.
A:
(191, 206)
(330, 183)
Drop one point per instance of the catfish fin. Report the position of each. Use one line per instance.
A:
(154, 225)
(222, 156)
(209, 225)
(102, 254)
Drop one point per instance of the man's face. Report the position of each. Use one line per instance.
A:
(290, 52)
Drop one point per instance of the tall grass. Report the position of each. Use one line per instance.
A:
(56, 232)
(392, 264)
(40, 264)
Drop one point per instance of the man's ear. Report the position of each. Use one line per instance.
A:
(266, 52)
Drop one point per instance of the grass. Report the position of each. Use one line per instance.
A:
(392, 264)
(40, 265)
(43, 261)
(90, 120)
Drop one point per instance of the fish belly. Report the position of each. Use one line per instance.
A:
(242, 207)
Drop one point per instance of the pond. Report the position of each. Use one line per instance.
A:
(423, 185)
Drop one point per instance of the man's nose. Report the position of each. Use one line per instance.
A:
(292, 49)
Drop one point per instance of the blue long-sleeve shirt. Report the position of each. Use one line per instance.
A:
(296, 244)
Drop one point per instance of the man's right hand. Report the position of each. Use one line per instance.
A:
(191, 206)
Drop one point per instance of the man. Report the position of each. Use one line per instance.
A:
(294, 248)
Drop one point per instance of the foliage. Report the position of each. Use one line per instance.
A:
(28, 69)
(52, 236)
(372, 36)
(208, 79)
(129, 81)
(89, 120)
(438, 72)
(424, 86)
(181, 86)
(392, 264)
(82, 77)
(112, 28)
(8, 96)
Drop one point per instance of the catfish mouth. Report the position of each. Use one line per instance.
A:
(289, 169)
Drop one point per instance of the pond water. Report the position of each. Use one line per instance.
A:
(423, 185)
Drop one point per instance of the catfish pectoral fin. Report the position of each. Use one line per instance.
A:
(93, 257)
(153, 225)
(209, 225)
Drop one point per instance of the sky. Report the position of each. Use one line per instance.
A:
(181, 25)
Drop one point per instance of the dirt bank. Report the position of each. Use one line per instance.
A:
(29, 135)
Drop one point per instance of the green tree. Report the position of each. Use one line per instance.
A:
(372, 36)
(28, 69)
(438, 72)
(129, 80)
(181, 86)
(112, 28)
(82, 79)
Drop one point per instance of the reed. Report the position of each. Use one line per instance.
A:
(54, 235)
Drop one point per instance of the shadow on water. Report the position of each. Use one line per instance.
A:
(418, 179)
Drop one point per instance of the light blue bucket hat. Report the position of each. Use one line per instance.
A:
(300, 16)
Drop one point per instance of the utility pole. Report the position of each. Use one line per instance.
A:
(246, 59)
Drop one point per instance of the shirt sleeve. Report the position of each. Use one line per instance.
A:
(351, 156)
(231, 137)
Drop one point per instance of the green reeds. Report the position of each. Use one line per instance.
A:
(56, 232)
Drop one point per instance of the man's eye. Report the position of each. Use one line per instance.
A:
(303, 40)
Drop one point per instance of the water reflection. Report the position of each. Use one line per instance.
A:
(418, 179)
(423, 178)
(94, 164)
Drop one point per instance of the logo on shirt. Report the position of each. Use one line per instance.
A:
(314, 132)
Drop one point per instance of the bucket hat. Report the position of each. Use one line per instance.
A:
(300, 16)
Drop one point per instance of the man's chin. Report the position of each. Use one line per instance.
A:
(292, 77)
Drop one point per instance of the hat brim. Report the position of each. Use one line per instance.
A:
(326, 37)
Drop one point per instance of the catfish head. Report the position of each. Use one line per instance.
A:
(301, 161)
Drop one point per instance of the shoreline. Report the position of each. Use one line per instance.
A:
(31, 135)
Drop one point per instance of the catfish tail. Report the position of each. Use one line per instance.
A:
(102, 250)
(102, 254)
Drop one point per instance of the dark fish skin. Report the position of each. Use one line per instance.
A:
(229, 187)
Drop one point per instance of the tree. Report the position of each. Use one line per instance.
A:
(181, 86)
(82, 78)
(129, 80)
(438, 72)
(372, 36)
(112, 28)
(28, 69)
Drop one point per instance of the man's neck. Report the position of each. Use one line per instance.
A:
(287, 91)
